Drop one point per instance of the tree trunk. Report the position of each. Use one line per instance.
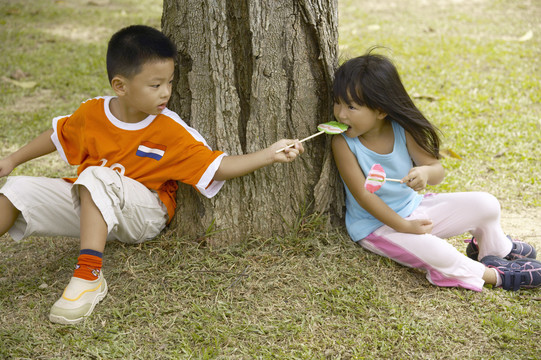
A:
(251, 72)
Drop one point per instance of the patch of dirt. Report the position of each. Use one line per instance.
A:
(523, 225)
(32, 102)
(79, 33)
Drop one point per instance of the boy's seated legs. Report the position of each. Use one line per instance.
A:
(8, 214)
(87, 286)
(111, 206)
(44, 207)
(132, 212)
(93, 226)
(51, 207)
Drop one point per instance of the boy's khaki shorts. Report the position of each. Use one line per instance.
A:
(50, 207)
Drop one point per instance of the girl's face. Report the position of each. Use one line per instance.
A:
(360, 119)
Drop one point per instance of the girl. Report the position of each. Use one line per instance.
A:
(385, 127)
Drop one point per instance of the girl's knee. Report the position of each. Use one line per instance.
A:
(487, 204)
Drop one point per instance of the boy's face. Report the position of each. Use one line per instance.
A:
(148, 92)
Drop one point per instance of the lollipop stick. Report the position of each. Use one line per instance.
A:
(395, 180)
(306, 138)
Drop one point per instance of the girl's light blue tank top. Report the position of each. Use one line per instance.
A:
(399, 197)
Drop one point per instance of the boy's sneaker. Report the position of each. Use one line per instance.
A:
(520, 250)
(78, 300)
(516, 274)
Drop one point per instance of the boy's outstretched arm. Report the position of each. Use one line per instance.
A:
(40, 146)
(240, 165)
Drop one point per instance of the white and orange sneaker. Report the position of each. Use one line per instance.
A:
(78, 300)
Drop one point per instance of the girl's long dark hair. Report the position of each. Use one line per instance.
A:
(372, 80)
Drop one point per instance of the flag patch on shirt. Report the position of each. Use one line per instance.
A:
(151, 150)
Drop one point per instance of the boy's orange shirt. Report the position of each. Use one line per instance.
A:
(157, 151)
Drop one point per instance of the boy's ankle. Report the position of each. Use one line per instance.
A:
(88, 265)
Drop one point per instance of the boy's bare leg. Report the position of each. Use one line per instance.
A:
(8, 214)
(87, 286)
(93, 226)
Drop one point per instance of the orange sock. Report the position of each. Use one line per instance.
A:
(88, 266)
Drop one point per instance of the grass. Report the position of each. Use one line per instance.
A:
(481, 81)
(312, 294)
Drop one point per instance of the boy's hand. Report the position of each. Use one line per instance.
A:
(41, 145)
(289, 154)
(6, 167)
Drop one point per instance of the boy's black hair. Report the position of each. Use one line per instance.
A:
(133, 46)
(373, 81)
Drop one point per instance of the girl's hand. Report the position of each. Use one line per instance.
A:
(416, 179)
(418, 226)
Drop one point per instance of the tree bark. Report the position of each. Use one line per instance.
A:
(251, 72)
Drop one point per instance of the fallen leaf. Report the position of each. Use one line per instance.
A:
(424, 97)
(448, 153)
(18, 75)
(13, 11)
(22, 84)
(99, 2)
(526, 36)
(500, 154)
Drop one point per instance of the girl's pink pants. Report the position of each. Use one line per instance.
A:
(452, 214)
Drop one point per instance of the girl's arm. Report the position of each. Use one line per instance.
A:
(240, 165)
(351, 173)
(427, 171)
(40, 146)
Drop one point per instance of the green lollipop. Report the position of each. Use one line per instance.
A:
(331, 128)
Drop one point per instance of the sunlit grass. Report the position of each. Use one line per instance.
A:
(482, 80)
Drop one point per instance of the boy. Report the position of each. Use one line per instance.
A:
(130, 151)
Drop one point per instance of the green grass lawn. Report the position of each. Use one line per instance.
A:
(473, 68)
(475, 72)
